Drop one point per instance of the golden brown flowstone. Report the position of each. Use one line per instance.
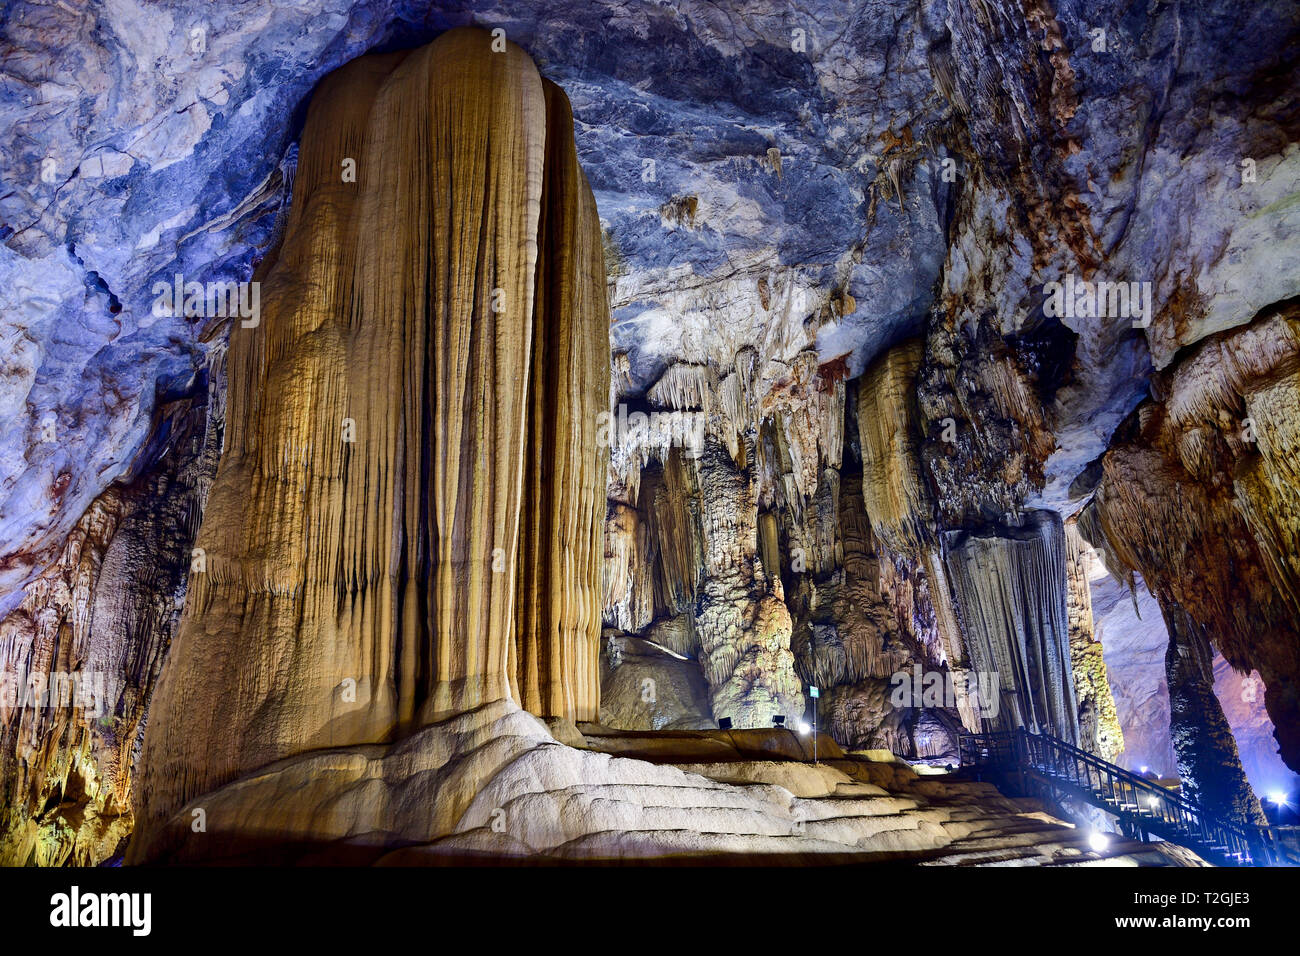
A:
(1099, 728)
(406, 521)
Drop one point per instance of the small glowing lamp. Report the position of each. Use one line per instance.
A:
(803, 727)
(1098, 841)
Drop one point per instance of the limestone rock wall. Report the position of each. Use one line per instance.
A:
(81, 656)
(1197, 502)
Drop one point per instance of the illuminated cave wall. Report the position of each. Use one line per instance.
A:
(776, 225)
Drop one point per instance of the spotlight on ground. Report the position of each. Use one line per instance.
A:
(1098, 841)
(778, 720)
(803, 727)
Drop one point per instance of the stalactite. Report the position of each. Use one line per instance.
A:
(47, 751)
(1199, 495)
(628, 572)
(684, 386)
(805, 412)
(852, 628)
(653, 552)
(674, 538)
(1010, 584)
(988, 431)
(363, 534)
(897, 498)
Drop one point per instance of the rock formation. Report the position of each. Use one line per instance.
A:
(1010, 584)
(492, 784)
(779, 279)
(83, 652)
(1099, 727)
(364, 539)
(1193, 500)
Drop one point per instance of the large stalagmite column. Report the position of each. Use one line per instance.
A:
(1099, 730)
(742, 621)
(1209, 765)
(405, 523)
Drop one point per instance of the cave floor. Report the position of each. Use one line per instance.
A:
(498, 786)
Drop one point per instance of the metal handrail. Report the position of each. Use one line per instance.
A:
(1115, 790)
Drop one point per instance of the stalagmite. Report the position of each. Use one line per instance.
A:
(557, 665)
(742, 622)
(1010, 585)
(367, 527)
(1208, 763)
(1099, 730)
